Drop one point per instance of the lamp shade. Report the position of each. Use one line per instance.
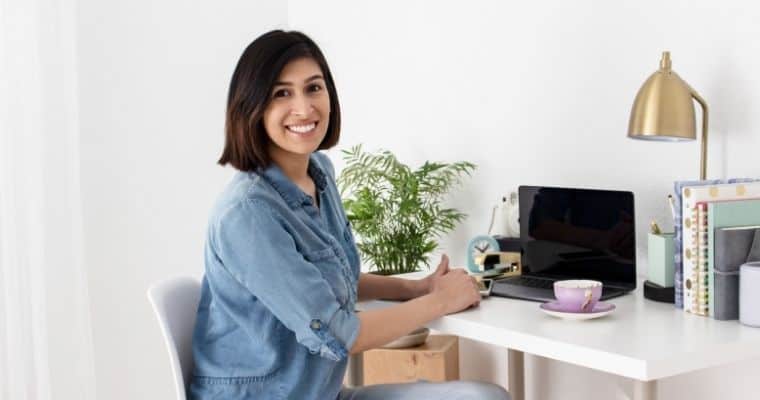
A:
(664, 110)
(664, 107)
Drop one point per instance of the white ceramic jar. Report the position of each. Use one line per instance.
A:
(749, 294)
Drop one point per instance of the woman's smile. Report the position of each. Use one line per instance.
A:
(302, 128)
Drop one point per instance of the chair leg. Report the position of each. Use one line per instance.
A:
(355, 370)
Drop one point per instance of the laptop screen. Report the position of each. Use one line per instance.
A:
(568, 233)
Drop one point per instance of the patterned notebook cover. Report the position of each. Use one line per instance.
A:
(677, 243)
(702, 301)
(690, 254)
(695, 259)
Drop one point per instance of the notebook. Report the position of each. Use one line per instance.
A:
(677, 224)
(691, 196)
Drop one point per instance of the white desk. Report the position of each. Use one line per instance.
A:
(642, 339)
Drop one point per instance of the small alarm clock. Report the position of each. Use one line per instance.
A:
(477, 248)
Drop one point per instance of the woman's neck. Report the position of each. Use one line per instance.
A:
(295, 167)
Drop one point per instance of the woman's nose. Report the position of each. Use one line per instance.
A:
(301, 106)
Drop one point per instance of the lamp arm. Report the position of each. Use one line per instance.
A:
(703, 151)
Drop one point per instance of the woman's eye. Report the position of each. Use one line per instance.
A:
(315, 88)
(281, 93)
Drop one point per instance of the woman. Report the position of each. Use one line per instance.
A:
(276, 317)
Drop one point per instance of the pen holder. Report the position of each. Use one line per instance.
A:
(660, 248)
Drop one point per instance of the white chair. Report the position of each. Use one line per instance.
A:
(175, 302)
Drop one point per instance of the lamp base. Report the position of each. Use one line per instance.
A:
(653, 291)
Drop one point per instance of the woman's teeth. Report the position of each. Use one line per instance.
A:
(302, 128)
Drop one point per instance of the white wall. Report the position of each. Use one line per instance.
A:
(153, 84)
(508, 85)
(540, 93)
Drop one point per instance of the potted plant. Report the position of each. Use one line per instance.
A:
(396, 212)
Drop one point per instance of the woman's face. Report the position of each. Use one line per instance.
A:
(297, 116)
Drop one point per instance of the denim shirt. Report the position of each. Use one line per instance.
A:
(276, 316)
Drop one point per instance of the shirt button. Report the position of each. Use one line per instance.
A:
(316, 324)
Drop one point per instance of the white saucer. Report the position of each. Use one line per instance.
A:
(600, 310)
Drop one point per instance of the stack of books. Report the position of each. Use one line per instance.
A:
(717, 231)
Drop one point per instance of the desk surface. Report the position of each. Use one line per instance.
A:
(641, 339)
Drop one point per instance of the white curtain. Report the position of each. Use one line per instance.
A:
(45, 335)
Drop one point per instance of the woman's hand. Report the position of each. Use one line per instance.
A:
(444, 292)
(456, 290)
(428, 283)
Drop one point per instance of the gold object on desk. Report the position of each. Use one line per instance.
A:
(654, 228)
(664, 111)
(499, 264)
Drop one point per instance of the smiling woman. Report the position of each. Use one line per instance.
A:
(277, 314)
(296, 119)
(284, 71)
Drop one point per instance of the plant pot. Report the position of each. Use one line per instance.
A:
(412, 339)
(381, 273)
(388, 273)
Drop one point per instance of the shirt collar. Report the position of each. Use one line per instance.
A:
(289, 191)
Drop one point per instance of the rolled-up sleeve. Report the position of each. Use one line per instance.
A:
(259, 253)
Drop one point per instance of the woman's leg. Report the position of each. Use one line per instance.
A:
(454, 390)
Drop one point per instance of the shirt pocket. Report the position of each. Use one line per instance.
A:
(329, 265)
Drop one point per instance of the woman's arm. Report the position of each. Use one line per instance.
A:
(451, 292)
(372, 287)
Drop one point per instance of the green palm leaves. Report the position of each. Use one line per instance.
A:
(396, 211)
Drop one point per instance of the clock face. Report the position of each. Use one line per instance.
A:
(477, 247)
(480, 247)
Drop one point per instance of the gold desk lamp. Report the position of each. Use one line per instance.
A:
(664, 111)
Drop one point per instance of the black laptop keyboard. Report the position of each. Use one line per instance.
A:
(532, 282)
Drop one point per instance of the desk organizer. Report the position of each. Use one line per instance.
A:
(661, 261)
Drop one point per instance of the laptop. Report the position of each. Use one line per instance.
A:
(571, 233)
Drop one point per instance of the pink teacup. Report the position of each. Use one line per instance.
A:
(577, 295)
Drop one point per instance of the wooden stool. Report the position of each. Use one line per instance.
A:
(436, 360)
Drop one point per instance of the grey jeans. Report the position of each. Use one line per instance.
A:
(454, 390)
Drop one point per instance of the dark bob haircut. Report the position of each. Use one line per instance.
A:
(246, 141)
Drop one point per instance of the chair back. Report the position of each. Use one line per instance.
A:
(175, 303)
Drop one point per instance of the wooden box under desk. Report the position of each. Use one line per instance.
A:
(436, 360)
